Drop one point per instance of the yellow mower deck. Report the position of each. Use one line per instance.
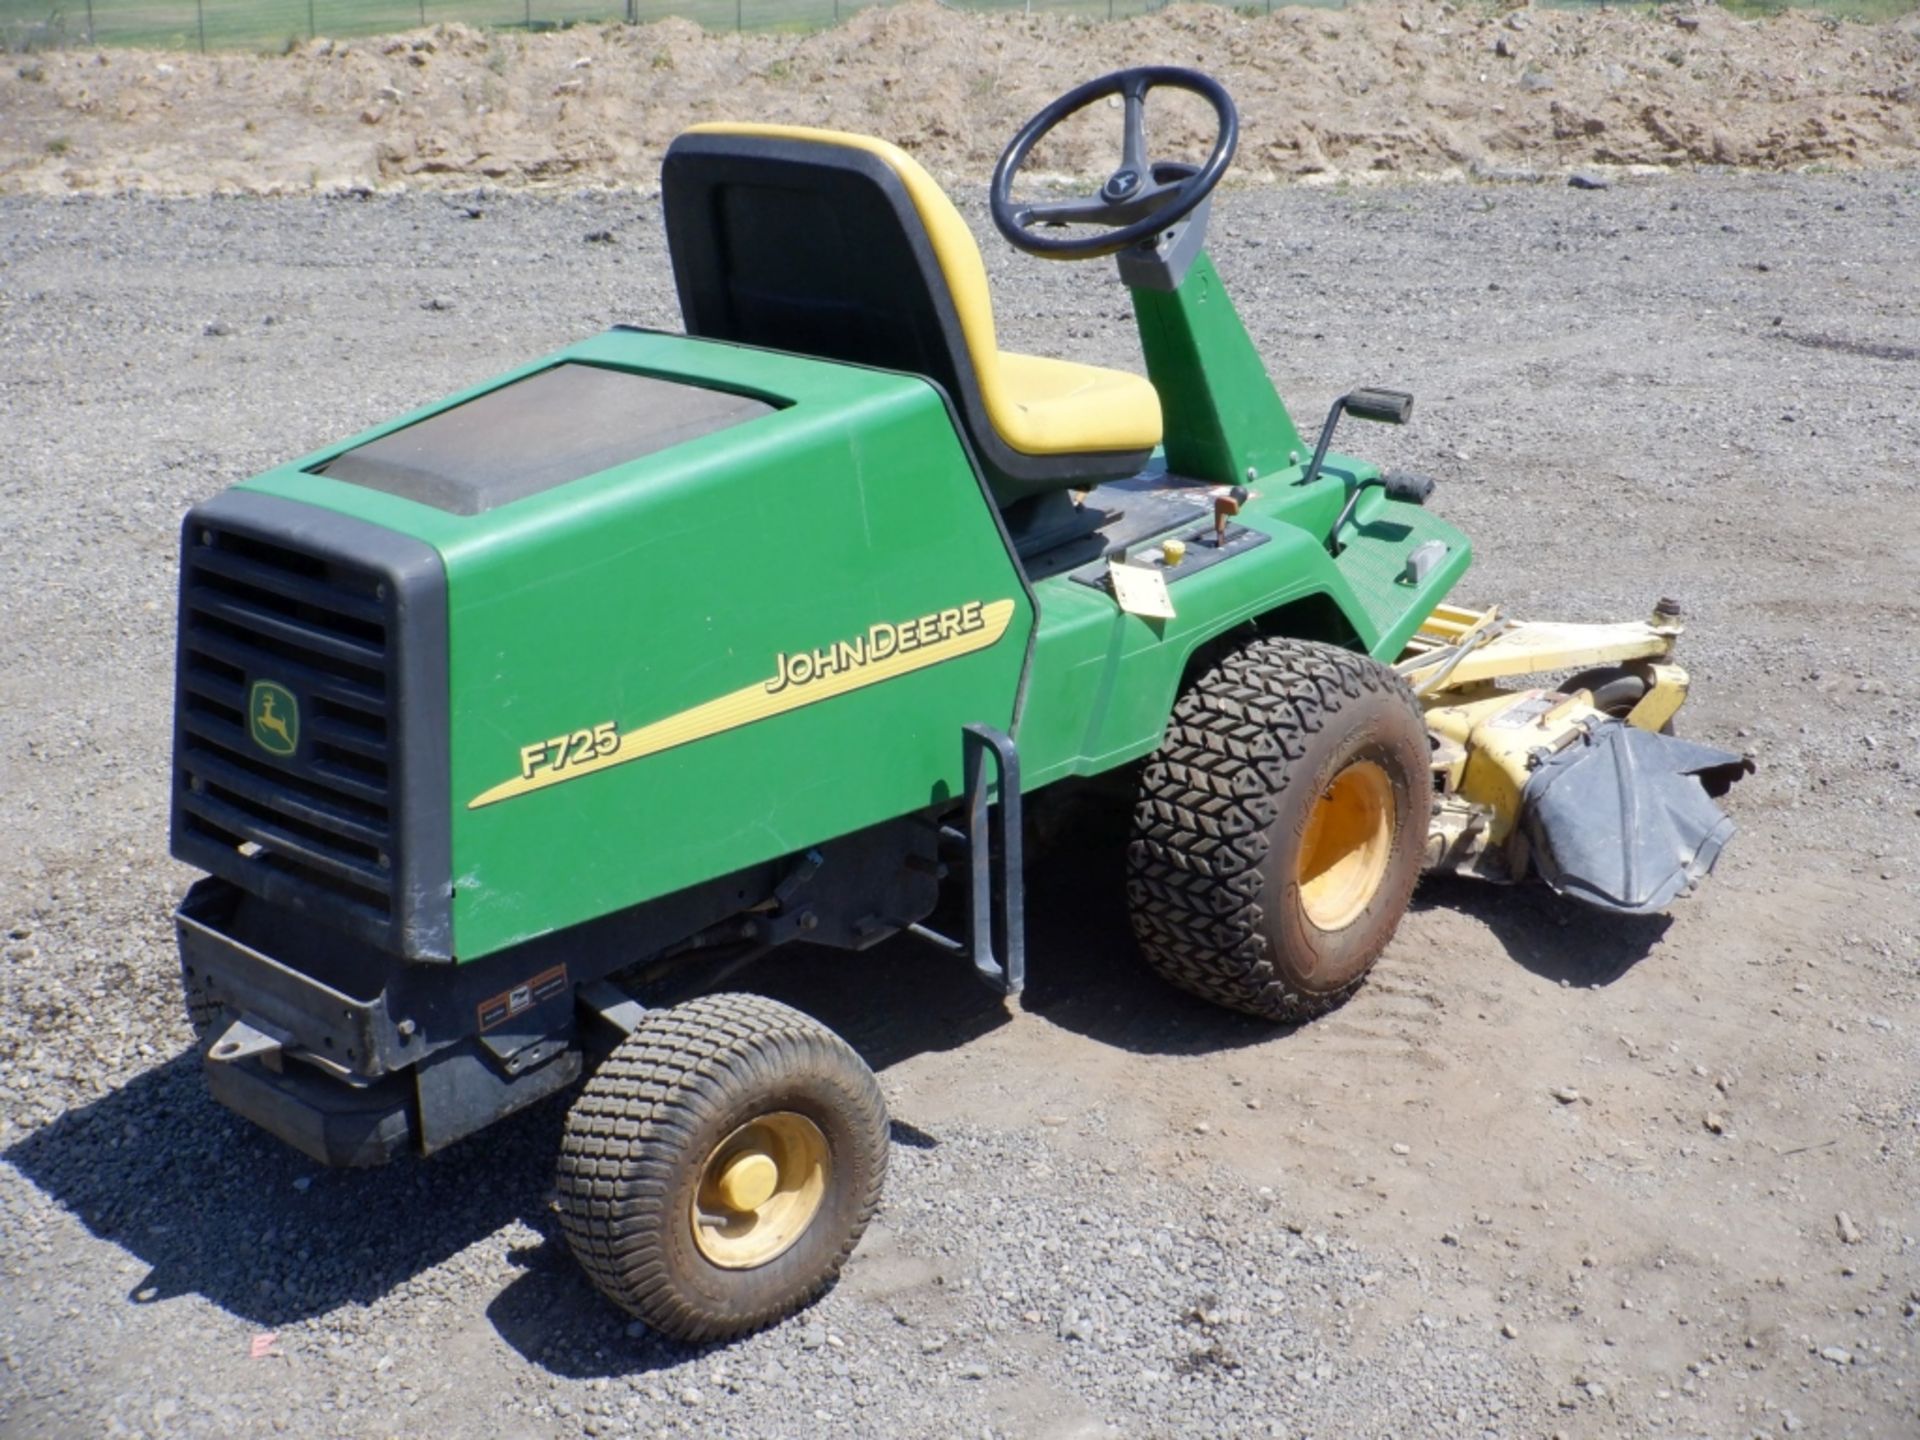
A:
(1491, 742)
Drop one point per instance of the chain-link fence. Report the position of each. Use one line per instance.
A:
(272, 24)
(275, 24)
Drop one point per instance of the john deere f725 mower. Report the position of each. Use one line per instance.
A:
(509, 730)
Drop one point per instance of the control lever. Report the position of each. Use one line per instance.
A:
(1225, 507)
(1387, 407)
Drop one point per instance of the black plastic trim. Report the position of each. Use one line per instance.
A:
(323, 1119)
(335, 1028)
(319, 856)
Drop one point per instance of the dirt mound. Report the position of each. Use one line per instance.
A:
(1399, 89)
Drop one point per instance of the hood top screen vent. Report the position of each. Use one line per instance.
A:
(536, 434)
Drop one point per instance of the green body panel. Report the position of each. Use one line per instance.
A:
(1224, 421)
(651, 604)
(657, 587)
(1104, 682)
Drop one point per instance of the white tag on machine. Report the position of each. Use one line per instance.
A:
(1140, 591)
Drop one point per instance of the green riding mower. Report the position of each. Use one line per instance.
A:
(507, 732)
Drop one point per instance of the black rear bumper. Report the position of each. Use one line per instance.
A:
(353, 1038)
(335, 1090)
(336, 1124)
(359, 1056)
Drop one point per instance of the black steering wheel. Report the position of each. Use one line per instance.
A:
(1141, 198)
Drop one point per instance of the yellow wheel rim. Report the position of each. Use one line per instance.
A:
(759, 1190)
(1344, 852)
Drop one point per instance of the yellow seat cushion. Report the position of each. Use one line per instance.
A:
(1059, 407)
(1038, 406)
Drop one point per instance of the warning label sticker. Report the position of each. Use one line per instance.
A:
(501, 1008)
(1529, 710)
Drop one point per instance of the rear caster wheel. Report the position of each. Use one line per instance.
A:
(1616, 689)
(1280, 828)
(721, 1165)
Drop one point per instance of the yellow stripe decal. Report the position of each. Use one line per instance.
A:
(795, 683)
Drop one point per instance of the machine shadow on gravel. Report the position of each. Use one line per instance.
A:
(1555, 938)
(1085, 972)
(551, 1314)
(217, 1207)
(899, 1000)
(896, 1001)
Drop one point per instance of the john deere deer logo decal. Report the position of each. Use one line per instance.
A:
(273, 718)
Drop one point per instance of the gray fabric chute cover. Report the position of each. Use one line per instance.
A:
(1623, 819)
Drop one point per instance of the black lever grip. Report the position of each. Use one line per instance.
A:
(1403, 485)
(1389, 407)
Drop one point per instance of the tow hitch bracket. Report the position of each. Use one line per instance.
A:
(250, 1039)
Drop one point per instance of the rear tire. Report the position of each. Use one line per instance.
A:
(721, 1165)
(1280, 829)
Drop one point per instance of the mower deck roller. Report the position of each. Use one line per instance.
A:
(509, 733)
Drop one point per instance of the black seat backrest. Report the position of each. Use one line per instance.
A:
(817, 248)
(804, 248)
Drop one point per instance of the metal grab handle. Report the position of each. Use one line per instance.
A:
(995, 911)
(996, 940)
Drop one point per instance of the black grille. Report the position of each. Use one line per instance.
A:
(252, 611)
(306, 807)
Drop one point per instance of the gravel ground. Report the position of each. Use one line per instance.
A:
(1112, 1211)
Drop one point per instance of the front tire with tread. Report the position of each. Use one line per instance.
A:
(1225, 814)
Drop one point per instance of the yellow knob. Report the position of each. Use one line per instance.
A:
(748, 1182)
(1173, 551)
